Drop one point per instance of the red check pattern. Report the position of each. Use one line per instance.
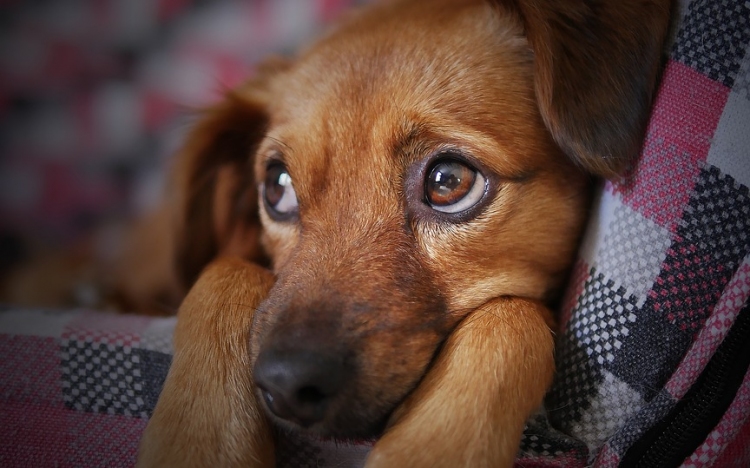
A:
(666, 267)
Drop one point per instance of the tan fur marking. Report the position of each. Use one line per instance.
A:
(211, 417)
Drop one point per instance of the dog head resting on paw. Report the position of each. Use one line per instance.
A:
(419, 160)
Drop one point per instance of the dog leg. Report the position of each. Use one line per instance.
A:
(208, 414)
(471, 407)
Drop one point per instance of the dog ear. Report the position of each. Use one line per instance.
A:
(597, 64)
(215, 195)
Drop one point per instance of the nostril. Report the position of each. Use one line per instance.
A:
(310, 395)
(298, 386)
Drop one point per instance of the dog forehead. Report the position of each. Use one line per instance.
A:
(416, 54)
(361, 89)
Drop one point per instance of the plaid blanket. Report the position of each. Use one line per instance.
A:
(77, 387)
(652, 350)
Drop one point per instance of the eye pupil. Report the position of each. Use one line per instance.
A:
(274, 189)
(278, 191)
(449, 182)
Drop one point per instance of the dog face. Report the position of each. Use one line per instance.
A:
(400, 173)
(395, 198)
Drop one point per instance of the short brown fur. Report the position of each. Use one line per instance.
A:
(442, 323)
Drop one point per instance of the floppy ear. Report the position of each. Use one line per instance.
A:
(597, 64)
(215, 195)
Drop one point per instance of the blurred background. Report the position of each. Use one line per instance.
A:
(96, 95)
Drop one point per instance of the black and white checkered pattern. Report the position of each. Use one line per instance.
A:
(102, 378)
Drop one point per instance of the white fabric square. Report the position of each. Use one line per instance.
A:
(730, 149)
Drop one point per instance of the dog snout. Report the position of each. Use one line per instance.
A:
(299, 385)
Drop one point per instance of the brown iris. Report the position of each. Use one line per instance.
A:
(448, 183)
(274, 186)
(278, 192)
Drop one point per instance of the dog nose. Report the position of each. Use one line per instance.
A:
(298, 385)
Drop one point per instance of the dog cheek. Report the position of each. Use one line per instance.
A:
(521, 246)
(393, 357)
(388, 365)
(278, 239)
(395, 362)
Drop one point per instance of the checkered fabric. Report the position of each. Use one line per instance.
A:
(663, 276)
(77, 387)
(657, 301)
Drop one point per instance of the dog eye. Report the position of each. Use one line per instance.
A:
(278, 192)
(453, 186)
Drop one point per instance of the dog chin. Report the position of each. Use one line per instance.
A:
(357, 430)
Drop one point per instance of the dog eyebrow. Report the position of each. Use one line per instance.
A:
(414, 139)
(408, 133)
(279, 142)
(408, 138)
(270, 148)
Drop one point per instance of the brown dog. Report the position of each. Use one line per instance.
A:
(418, 181)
